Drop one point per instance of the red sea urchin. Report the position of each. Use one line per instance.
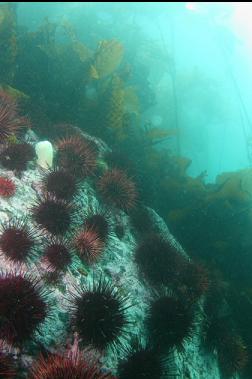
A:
(99, 314)
(10, 121)
(17, 240)
(22, 307)
(76, 155)
(98, 220)
(88, 245)
(7, 187)
(52, 214)
(117, 189)
(59, 367)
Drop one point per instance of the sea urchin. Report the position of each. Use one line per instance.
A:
(99, 221)
(99, 314)
(52, 214)
(88, 245)
(7, 370)
(10, 121)
(117, 189)
(60, 367)
(75, 154)
(22, 307)
(16, 156)
(170, 322)
(60, 183)
(7, 187)
(17, 240)
(142, 362)
(57, 254)
(158, 260)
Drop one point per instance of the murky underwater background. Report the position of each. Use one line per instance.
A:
(167, 87)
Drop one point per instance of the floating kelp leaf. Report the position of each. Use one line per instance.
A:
(107, 58)
(159, 133)
(2, 16)
(115, 105)
(246, 181)
(181, 165)
(8, 42)
(6, 15)
(68, 28)
(93, 72)
(233, 186)
(82, 51)
(131, 100)
(77, 46)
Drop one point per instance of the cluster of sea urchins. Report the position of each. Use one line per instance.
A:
(99, 311)
(161, 263)
(14, 155)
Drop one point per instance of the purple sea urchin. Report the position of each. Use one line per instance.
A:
(52, 214)
(144, 362)
(22, 307)
(58, 254)
(159, 261)
(99, 314)
(232, 355)
(16, 156)
(17, 240)
(170, 322)
(60, 183)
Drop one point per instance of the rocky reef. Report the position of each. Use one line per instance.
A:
(116, 264)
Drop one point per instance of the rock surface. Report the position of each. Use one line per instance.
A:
(117, 264)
